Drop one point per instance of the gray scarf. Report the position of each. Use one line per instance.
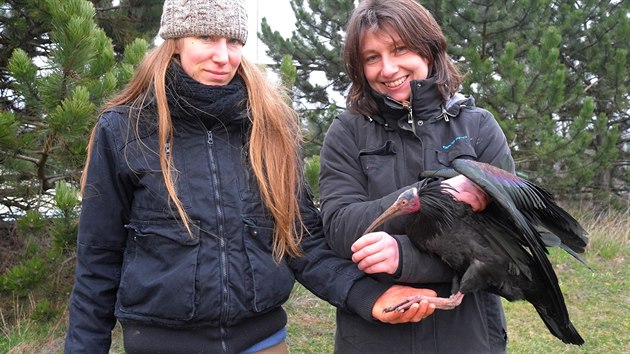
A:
(212, 105)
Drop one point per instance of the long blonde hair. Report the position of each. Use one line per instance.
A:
(273, 145)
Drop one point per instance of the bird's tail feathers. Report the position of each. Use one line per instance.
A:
(564, 331)
(549, 302)
(550, 239)
(575, 255)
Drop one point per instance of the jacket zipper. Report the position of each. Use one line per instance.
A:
(409, 108)
(222, 245)
(445, 115)
(405, 105)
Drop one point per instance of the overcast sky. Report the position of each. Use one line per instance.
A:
(279, 16)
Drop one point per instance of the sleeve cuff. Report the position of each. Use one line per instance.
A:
(363, 294)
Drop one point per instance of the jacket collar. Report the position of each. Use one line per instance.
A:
(427, 105)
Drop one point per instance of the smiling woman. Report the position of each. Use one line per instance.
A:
(405, 116)
(389, 64)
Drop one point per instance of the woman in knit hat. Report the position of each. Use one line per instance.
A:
(195, 219)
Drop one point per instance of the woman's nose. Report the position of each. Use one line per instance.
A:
(390, 66)
(220, 51)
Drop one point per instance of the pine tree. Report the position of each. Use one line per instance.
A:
(315, 48)
(127, 20)
(535, 64)
(52, 101)
(25, 24)
(554, 73)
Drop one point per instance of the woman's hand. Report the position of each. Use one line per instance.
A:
(376, 252)
(394, 295)
(466, 191)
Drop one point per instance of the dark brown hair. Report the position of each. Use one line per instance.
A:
(417, 29)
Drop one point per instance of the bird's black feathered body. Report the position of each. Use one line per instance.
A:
(454, 232)
(500, 249)
(460, 237)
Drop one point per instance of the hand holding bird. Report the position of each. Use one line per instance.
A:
(466, 191)
(376, 252)
(415, 313)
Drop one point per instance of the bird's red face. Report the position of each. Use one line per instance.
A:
(408, 202)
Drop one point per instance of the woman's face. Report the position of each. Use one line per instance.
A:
(389, 65)
(210, 60)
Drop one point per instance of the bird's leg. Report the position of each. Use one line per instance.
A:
(455, 284)
(441, 303)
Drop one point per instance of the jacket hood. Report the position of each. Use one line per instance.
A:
(457, 101)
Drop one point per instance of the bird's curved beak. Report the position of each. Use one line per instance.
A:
(398, 208)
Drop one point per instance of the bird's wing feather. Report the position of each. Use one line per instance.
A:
(497, 233)
(504, 191)
(551, 240)
(526, 203)
(528, 206)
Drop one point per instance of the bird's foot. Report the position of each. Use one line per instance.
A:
(441, 303)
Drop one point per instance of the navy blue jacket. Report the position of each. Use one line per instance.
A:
(138, 264)
(366, 162)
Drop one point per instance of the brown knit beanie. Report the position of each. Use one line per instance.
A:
(188, 18)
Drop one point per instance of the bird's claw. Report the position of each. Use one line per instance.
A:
(440, 303)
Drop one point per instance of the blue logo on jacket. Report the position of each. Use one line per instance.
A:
(446, 147)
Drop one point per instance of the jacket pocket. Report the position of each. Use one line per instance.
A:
(271, 282)
(159, 271)
(378, 164)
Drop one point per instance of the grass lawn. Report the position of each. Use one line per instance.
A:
(598, 301)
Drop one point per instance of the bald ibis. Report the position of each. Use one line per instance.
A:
(501, 249)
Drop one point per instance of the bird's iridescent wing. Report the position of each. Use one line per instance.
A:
(527, 203)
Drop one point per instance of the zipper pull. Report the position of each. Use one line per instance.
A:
(210, 141)
(407, 106)
(446, 115)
